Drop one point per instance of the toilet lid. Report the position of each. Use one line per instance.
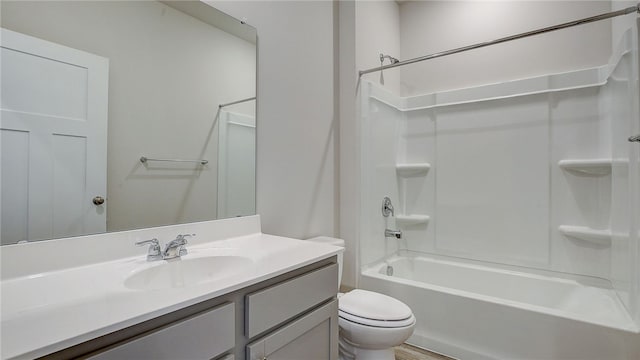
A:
(377, 323)
(374, 306)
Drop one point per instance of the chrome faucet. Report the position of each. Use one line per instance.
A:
(393, 233)
(154, 253)
(175, 248)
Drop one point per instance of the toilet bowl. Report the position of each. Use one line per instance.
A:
(370, 323)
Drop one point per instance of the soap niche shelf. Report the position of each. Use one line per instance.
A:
(412, 219)
(589, 167)
(412, 169)
(598, 167)
(599, 237)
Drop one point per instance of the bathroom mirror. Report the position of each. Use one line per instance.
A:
(119, 115)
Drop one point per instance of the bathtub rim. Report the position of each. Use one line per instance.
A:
(374, 270)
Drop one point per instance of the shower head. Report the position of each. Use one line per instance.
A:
(391, 58)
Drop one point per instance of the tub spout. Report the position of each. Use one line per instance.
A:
(393, 233)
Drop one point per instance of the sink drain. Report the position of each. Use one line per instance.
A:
(389, 270)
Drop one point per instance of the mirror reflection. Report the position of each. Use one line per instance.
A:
(90, 88)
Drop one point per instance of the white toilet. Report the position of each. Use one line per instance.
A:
(371, 324)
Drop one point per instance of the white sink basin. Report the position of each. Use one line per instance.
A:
(181, 273)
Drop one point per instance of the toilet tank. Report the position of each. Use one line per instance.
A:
(335, 242)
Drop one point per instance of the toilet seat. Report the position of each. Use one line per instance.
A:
(373, 309)
(377, 323)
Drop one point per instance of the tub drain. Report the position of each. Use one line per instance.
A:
(389, 270)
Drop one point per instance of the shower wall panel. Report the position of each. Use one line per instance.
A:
(379, 148)
(625, 218)
(417, 190)
(492, 180)
(580, 128)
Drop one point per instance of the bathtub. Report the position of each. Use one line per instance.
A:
(474, 310)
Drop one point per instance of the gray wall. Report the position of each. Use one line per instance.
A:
(428, 27)
(296, 174)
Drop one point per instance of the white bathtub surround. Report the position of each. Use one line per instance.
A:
(510, 161)
(527, 187)
(73, 290)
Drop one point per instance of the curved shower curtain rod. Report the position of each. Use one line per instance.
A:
(629, 10)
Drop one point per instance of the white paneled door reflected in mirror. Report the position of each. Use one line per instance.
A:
(89, 88)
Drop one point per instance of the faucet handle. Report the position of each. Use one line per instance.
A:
(175, 247)
(183, 239)
(154, 252)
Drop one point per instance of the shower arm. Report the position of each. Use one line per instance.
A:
(626, 11)
(391, 59)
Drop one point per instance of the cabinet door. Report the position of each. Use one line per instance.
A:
(312, 337)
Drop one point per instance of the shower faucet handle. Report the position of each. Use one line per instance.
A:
(387, 207)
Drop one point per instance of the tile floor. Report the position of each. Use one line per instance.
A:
(408, 352)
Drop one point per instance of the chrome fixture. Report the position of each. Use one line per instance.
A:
(144, 160)
(629, 10)
(389, 270)
(393, 234)
(154, 252)
(391, 58)
(175, 248)
(387, 207)
(634, 138)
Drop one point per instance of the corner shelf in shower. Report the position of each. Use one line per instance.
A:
(412, 169)
(412, 219)
(587, 166)
(600, 237)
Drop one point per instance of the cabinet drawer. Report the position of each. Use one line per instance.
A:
(271, 306)
(203, 336)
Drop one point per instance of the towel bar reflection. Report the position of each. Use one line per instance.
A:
(144, 160)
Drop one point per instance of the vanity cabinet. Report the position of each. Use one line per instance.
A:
(290, 316)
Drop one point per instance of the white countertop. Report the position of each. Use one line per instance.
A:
(47, 312)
